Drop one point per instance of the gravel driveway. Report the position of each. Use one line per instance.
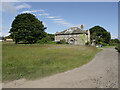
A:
(101, 72)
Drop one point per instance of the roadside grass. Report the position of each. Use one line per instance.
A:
(118, 47)
(37, 61)
(108, 46)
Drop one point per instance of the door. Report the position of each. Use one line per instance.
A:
(71, 42)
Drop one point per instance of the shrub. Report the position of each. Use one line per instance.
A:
(51, 42)
(113, 44)
(104, 44)
(62, 41)
(44, 40)
(88, 43)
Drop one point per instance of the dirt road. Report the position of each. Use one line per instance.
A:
(101, 72)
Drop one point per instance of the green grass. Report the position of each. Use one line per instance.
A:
(36, 61)
(118, 47)
(108, 46)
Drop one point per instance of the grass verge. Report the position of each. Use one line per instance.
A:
(108, 46)
(36, 61)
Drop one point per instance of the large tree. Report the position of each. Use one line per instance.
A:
(99, 34)
(27, 28)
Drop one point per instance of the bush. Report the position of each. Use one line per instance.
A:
(51, 42)
(44, 40)
(62, 41)
(88, 43)
(112, 44)
(104, 44)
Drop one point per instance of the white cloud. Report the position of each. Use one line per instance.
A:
(24, 5)
(4, 34)
(9, 8)
(58, 19)
(12, 7)
(67, 24)
(44, 14)
(50, 17)
(1, 34)
(29, 11)
(114, 36)
(32, 11)
(44, 24)
(41, 10)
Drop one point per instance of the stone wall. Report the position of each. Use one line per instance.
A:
(78, 40)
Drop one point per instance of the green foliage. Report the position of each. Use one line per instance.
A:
(52, 37)
(51, 42)
(99, 34)
(112, 44)
(8, 37)
(83, 38)
(87, 43)
(44, 40)
(114, 41)
(118, 47)
(104, 44)
(27, 28)
(2, 38)
(62, 41)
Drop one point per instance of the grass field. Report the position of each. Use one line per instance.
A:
(36, 61)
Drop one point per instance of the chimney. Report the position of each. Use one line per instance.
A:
(82, 27)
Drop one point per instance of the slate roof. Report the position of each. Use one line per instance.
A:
(73, 30)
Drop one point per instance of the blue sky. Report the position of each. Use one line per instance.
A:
(62, 15)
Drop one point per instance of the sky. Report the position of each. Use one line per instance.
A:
(58, 16)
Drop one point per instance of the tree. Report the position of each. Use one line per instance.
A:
(52, 37)
(8, 37)
(99, 34)
(115, 41)
(27, 28)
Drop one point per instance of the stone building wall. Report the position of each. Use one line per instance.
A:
(76, 37)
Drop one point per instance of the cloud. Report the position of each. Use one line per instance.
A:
(32, 11)
(24, 5)
(1, 34)
(58, 19)
(9, 8)
(4, 34)
(44, 24)
(67, 24)
(114, 36)
(44, 14)
(50, 17)
(79, 25)
(12, 7)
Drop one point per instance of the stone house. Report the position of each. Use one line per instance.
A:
(74, 35)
